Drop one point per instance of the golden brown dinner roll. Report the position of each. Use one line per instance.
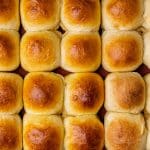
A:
(40, 51)
(146, 15)
(122, 50)
(9, 50)
(147, 105)
(43, 93)
(83, 132)
(122, 14)
(84, 93)
(10, 93)
(124, 92)
(80, 15)
(81, 52)
(10, 132)
(146, 58)
(124, 131)
(42, 132)
(9, 14)
(39, 15)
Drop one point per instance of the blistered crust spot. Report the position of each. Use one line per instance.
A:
(43, 138)
(128, 91)
(80, 11)
(123, 135)
(123, 52)
(123, 11)
(8, 137)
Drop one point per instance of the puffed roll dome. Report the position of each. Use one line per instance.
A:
(121, 50)
(81, 52)
(37, 15)
(84, 93)
(122, 14)
(80, 15)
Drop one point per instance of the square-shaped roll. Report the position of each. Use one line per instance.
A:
(9, 14)
(146, 58)
(124, 92)
(37, 15)
(10, 93)
(42, 132)
(83, 132)
(147, 104)
(121, 50)
(124, 131)
(43, 93)
(146, 15)
(122, 14)
(81, 52)
(84, 93)
(9, 50)
(10, 132)
(80, 15)
(40, 51)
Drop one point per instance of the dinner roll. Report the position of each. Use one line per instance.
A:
(9, 14)
(37, 15)
(81, 52)
(122, 50)
(147, 105)
(84, 132)
(10, 93)
(124, 131)
(122, 14)
(10, 132)
(146, 15)
(146, 58)
(84, 93)
(40, 51)
(9, 50)
(80, 15)
(43, 93)
(124, 92)
(42, 132)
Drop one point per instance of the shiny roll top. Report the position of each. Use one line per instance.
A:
(43, 93)
(81, 52)
(84, 132)
(124, 131)
(40, 51)
(37, 15)
(147, 104)
(9, 50)
(80, 15)
(121, 51)
(122, 14)
(42, 132)
(124, 92)
(10, 132)
(84, 93)
(10, 93)
(9, 14)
